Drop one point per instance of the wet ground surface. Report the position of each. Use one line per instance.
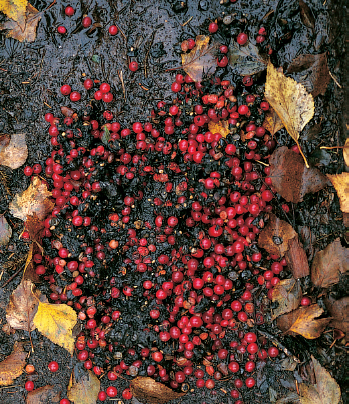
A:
(32, 74)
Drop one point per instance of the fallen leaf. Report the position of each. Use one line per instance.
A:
(288, 294)
(28, 32)
(329, 263)
(5, 231)
(290, 101)
(83, 387)
(307, 16)
(341, 184)
(346, 152)
(245, 60)
(272, 122)
(291, 398)
(311, 71)
(201, 60)
(15, 9)
(15, 153)
(290, 177)
(23, 306)
(66, 111)
(145, 388)
(303, 321)
(32, 200)
(56, 322)
(34, 226)
(29, 272)
(296, 258)
(221, 127)
(43, 395)
(288, 364)
(12, 367)
(339, 310)
(325, 391)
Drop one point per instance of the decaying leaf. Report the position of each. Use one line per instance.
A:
(152, 392)
(272, 122)
(15, 153)
(34, 227)
(325, 391)
(329, 263)
(32, 200)
(339, 310)
(288, 364)
(288, 294)
(83, 387)
(245, 60)
(221, 127)
(5, 231)
(23, 305)
(56, 322)
(28, 31)
(307, 16)
(303, 321)
(290, 177)
(290, 101)
(15, 9)
(12, 367)
(341, 184)
(346, 152)
(311, 71)
(43, 395)
(291, 398)
(201, 60)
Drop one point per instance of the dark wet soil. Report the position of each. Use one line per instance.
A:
(151, 32)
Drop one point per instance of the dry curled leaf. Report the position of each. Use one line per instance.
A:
(341, 184)
(311, 71)
(56, 322)
(290, 177)
(44, 395)
(339, 310)
(304, 321)
(291, 102)
(201, 60)
(33, 200)
(83, 387)
(221, 127)
(23, 305)
(15, 153)
(245, 60)
(5, 231)
(12, 367)
(27, 32)
(329, 263)
(15, 9)
(288, 294)
(149, 391)
(325, 391)
(272, 122)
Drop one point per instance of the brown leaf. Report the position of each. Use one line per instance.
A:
(341, 184)
(32, 200)
(221, 127)
(346, 152)
(297, 260)
(83, 387)
(29, 272)
(44, 395)
(275, 236)
(67, 111)
(325, 391)
(28, 34)
(290, 101)
(23, 306)
(311, 71)
(288, 294)
(307, 16)
(339, 310)
(272, 122)
(34, 227)
(147, 389)
(290, 177)
(303, 321)
(13, 365)
(329, 263)
(201, 59)
(245, 60)
(5, 231)
(15, 153)
(15, 9)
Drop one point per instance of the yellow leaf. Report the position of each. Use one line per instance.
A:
(85, 390)
(272, 122)
(44, 395)
(15, 9)
(291, 102)
(221, 127)
(13, 365)
(33, 199)
(346, 152)
(56, 322)
(341, 184)
(15, 153)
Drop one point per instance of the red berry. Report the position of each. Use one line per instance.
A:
(69, 11)
(64, 401)
(86, 22)
(242, 38)
(108, 97)
(250, 382)
(305, 301)
(28, 171)
(29, 385)
(133, 66)
(113, 30)
(53, 366)
(102, 396)
(223, 49)
(61, 30)
(75, 96)
(213, 27)
(112, 391)
(273, 352)
(66, 89)
(88, 84)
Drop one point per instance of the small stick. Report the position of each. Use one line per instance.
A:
(12, 277)
(333, 147)
(334, 79)
(261, 162)
(187, 22)
(122, 83)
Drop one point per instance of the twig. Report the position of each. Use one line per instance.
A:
(122, 83)
(277, 343)
(183, 25)
(334, 79)
(147, 55)
(11, 278)
(333, 147)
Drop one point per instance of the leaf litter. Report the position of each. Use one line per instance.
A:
(245, 60)
(288, 294)
(83, 387)
(15, 153)
(13, 366)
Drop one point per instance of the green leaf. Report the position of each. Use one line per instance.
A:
(106, 135)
